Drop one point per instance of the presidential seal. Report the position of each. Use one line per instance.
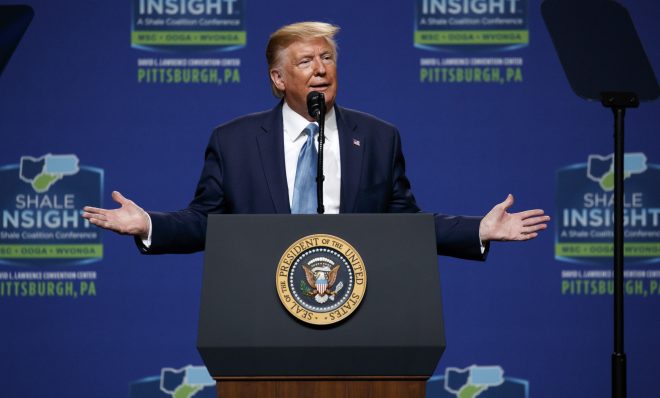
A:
(321, 279)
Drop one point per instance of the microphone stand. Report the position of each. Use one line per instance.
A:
(316, 109)
(320, 119)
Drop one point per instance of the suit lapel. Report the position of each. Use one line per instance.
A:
(351, 149)
(271, 151)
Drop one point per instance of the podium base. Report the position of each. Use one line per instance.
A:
(322, 387)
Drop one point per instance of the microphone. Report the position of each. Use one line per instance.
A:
(316, 105)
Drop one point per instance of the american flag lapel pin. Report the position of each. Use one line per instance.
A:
(356, 142)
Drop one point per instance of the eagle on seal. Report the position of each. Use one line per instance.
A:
(321, 276)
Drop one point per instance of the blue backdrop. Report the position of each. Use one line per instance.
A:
(77, 85)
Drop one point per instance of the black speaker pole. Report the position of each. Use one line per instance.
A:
(618, 102)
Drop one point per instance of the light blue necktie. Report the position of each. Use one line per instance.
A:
(304, 187)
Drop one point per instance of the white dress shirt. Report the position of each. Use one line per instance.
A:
(294, 139)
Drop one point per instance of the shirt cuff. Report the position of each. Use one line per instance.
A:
(147, 242)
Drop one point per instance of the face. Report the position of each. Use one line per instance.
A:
(306, 66)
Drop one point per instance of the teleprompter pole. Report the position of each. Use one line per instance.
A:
(618, 102)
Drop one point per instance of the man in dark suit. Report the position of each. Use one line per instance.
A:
(252, 164)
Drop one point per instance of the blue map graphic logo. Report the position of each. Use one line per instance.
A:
(601, 168)
(43, 172)
(187, 382)
(476, 381)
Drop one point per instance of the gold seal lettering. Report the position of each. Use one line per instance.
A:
(296, 296)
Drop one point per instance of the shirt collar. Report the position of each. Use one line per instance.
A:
(294, 123)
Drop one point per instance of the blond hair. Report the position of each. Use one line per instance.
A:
(288, 34)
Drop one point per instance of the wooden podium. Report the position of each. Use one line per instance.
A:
(387, 348)
(322, 387)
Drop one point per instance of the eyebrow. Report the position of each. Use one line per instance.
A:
(312, 54)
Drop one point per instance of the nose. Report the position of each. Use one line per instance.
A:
(319, 67)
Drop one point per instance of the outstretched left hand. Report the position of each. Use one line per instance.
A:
(502, 226)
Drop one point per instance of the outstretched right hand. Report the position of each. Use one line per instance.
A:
(129, 219)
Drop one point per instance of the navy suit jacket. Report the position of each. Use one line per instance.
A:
(244, 173)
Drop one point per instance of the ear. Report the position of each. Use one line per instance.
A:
(277, 77)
